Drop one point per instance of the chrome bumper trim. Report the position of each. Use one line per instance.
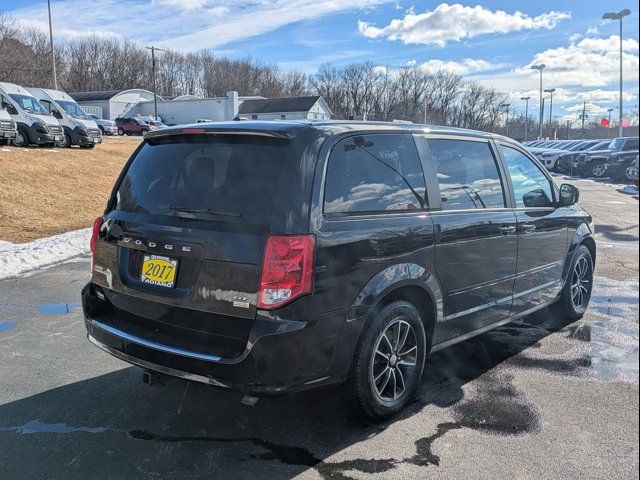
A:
(155, 367)
(154, 345)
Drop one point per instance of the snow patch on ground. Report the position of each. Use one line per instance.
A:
(629, 189)
(19, 258)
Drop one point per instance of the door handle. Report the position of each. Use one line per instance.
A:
(508, 229)
(527, 227)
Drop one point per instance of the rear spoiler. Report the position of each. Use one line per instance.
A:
(217, 130)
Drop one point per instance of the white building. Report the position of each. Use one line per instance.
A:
(186, 109)
(112, 103)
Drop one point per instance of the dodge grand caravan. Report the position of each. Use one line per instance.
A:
(269, 257)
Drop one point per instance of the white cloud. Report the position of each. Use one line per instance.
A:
(456, 22)
(591, 62)
(592, 31)
(201, 23)
(464, 67)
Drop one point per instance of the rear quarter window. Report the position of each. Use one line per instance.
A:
(373, 174)
(204, 177)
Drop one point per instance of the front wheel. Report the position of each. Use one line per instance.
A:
(598, 170)
(389, 360)
(121, 131)
(21, 139)
(65, 142)
(577, 290)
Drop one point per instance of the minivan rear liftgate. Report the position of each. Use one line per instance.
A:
(177, 257)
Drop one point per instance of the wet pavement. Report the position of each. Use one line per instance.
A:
(536, 398)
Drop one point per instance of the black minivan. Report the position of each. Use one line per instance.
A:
(270, 257)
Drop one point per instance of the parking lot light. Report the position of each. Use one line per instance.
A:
(550, 90)
(526, 116)
(540, 68)
(618, 16)
(506, 123)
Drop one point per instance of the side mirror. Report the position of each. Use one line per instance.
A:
(569, 195)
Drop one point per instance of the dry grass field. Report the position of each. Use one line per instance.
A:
(46, 191)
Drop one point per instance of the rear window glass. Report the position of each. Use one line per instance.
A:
(205, 177)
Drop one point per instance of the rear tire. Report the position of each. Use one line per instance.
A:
(389, 360)
(120, 131)
(576, 293)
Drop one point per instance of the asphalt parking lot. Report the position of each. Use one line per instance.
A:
(540, 398)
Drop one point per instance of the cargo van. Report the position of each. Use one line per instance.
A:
(79, 128)
(7, 126)
(34, 124)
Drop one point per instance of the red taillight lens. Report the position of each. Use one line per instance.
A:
(97, 223)
(287, 269)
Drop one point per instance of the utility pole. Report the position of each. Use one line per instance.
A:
(153, 78)
(618, 16)
(540, 68)
(53, 57)
(526, 116)
(568, 128)
(609, 124)
(584, 112)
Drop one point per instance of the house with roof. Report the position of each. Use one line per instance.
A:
(291, 108)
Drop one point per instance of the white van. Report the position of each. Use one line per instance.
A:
(79, 128)
(7, 126)
(34, 123)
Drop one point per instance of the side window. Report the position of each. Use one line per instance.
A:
(630, 145)
(467, 173)
(532, 187)
(374, 173)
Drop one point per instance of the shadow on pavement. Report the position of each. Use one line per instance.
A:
(114, 426)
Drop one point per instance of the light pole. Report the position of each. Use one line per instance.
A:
(153, 79)
(53, 57)
(526, 116)
(618, 16)
(609, 124)
(540, 68)
(506, 123)
(550, 90)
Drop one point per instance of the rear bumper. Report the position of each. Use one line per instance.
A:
(280, 355)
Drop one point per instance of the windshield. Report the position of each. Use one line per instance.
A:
(578, 146)
(198, 177)
(598, 146)
(73, 109)
(29, 104)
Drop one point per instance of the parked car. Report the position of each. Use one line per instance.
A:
(157, 123)
(7, 126)
(78, 128)
(275, 257)
(34, 124)
(594, 163)
(133, 126)
(203, 120)
(620, 166)
(564, 163)
(107, 127)
(549, 157)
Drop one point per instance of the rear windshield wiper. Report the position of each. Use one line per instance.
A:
(206, 211)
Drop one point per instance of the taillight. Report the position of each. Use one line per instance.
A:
(97, 223)
(287, 269)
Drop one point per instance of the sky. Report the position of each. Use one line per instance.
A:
(495, 42)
